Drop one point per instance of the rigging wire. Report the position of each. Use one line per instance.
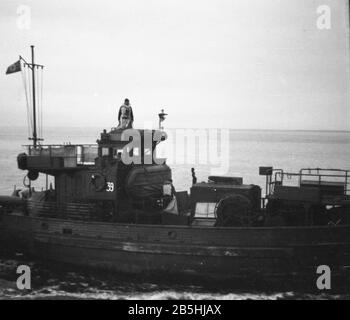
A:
(28, 86)
(30, 98)
(25, 83)
(39, 96)
(41, 102)
(36, 74)
(26, 96)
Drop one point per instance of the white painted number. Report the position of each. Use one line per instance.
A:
(110, 187)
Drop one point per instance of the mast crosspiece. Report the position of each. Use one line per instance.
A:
(33, 66)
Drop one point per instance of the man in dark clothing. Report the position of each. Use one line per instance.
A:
(125, 116)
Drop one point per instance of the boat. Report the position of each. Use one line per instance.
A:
(113, 207)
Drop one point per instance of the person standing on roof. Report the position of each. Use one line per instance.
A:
(125, 116)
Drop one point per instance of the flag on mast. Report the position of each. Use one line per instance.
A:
(15, 67)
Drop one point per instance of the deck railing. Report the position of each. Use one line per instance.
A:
(318, 176)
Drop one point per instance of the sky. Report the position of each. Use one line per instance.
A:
(256, 64)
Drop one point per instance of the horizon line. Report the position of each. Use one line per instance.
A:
(188, 128)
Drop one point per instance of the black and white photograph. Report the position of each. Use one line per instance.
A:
(192, 152)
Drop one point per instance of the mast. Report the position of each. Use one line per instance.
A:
(16, 67)
(35, 137)
(348, 42)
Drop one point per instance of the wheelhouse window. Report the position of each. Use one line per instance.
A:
(117, 153)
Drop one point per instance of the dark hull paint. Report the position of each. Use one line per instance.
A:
(217, 253)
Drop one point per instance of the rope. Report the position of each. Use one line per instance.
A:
(36, 69)
(36, 95)
(37, 99)
(26, 95)
(25, 91)
(30, 98)
(39, 95)
(27, 83)
(41, 102)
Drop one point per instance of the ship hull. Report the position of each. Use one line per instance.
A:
(198, 252)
